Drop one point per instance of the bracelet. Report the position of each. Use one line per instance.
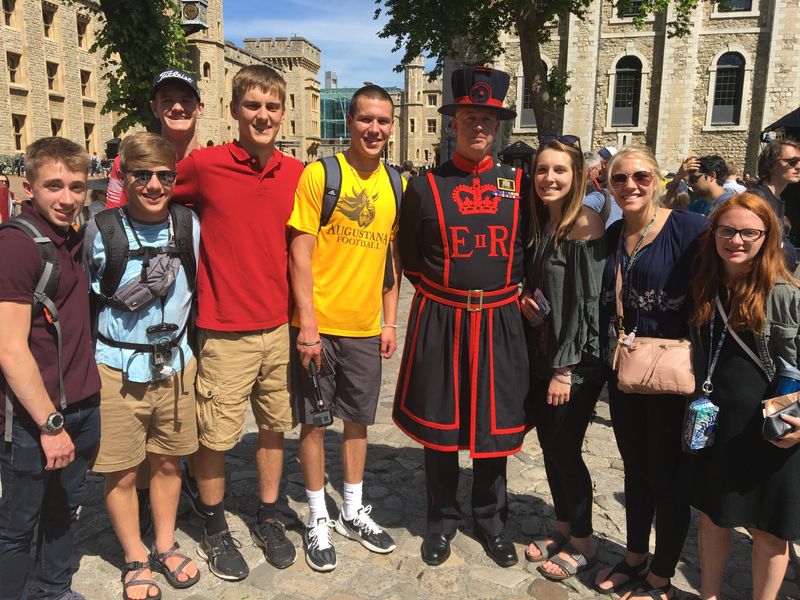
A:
(309, 344)
(393, 326)
(561, 379)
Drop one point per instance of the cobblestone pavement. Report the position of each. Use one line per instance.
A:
(394, 485)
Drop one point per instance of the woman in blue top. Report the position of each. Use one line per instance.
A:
(655, 248)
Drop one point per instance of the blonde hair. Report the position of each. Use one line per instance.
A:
(55, 149)
(262, 77)
(146, 149)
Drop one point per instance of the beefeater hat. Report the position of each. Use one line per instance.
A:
(479, 87)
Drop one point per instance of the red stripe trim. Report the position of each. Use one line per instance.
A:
(412, 273)
(440, 214)
(468, 100)
(465, 293)
(456, 363)
(429, 444)
(514, 229)
(474, 347)
(476, 168)
(456, 304)
(495, 429)
(495, 454)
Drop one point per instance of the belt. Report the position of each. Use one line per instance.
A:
(473, 300)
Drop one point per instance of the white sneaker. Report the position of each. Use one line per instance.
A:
(366, 531)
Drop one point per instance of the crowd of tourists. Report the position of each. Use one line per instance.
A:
(231, 274)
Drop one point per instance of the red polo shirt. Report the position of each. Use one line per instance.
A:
(242, 280)
(19, 273)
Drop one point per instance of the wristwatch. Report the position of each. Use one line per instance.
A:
(54, 423)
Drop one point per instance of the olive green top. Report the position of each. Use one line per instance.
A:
(569, 276)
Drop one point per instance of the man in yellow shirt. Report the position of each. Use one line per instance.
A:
(337, 275)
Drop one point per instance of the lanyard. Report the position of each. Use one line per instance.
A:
(635, 254)
(708, 387)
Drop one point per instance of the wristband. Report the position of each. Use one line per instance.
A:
(309, 344)
(393, 326)
(562, 379)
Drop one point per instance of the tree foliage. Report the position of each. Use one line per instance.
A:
(469, 31)
(137, 40)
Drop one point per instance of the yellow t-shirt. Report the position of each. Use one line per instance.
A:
(350, 256)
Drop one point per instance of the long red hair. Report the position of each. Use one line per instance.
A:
(748, 293)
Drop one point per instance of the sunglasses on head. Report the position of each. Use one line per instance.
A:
(792, 162)
(641, 178)
(143, 176)
(567, 140)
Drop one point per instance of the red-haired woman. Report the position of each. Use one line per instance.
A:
(743, 480)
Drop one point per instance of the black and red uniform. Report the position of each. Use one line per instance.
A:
(464, 374)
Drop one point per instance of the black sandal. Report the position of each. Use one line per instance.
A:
(634, 573)
(138, 568)
(648, 590)
(158, 561)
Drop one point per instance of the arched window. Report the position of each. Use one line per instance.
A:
(627, 88)
(728, 89)
(206, 71)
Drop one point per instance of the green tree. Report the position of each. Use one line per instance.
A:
(469, 31)
(137, 40)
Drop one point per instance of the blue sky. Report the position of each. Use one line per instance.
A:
(344, 30)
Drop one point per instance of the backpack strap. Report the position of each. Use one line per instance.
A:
(183, 225)
(333, 187)
(606, 211)
(43, 295)
(397, 187)
(116, 249)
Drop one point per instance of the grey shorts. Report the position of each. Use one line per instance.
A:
(351, 391)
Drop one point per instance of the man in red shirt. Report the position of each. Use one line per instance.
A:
(243, 193)
(176, 104)
(49, 378)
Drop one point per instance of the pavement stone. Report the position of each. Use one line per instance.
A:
(394, 484)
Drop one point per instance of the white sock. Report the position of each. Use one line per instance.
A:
(352, 500)
(316, 506)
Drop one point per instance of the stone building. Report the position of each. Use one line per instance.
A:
(420, 124)
(710, 92)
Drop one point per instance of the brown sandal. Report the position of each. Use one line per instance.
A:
(138, 568)
(158, 562)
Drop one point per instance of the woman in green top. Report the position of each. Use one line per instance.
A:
(567, 256)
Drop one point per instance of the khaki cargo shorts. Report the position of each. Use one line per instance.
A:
(235, 366)
(137, 418)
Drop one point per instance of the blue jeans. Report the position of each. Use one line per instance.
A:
(32, 496)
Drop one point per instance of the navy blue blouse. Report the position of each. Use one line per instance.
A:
(656, 299)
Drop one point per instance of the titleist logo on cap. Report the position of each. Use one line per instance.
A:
(173, 74)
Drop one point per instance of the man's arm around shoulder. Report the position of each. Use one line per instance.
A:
(23, 377)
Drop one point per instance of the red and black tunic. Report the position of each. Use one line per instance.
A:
(464, 374)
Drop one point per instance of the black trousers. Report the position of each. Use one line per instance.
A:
(648, 432)
(561, 430)
(489, 499)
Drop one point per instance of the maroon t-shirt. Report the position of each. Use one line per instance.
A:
(19, 273)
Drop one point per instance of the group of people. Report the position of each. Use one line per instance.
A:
(230, 274)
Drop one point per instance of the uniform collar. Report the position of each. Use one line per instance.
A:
(241, 155)
(468, 166)
(57, 234)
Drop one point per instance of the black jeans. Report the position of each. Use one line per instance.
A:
(561, 430)
(489, 500)
(648, 432)
(50, 499)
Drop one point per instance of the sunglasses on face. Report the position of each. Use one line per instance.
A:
(143, 176)
(792, 162)
(728, 233)
(640, 178)
(567, 140)
(693, 178)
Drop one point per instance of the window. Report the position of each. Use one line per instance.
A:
(728, 89)
(8, 12)
(427, 155)
(88, 135)
(206, 71)
(314, 102)
(52, 76)
(431, 99)
(412, 126)
(431, 125)
(629, 9)
(49, 19)
(18, 123)
(291, 100)
(292, 127)
(83, 32)
(13, 61)
(735, 6)
(86, 81)
(55, 126)
(627, 88)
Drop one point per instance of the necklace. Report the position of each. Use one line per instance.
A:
(638, 246)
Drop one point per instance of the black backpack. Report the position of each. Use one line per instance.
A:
(330, 198)
(43, 303)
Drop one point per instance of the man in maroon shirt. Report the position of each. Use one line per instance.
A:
(243, 193)
(55, 425)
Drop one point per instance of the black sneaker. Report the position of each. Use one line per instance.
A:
(320, 553)
(191, 493)
(363, 529)
(271, 536)
(145, 515)
(221, 551)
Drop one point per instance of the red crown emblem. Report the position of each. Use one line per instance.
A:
(476, 199)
